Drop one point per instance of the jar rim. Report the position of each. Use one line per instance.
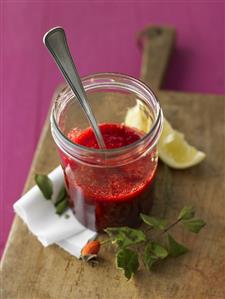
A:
(153, 130)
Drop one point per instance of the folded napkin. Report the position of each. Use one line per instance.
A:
(41, 219)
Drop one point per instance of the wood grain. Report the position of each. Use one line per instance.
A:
(30, 271)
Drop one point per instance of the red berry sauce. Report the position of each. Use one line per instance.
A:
(110, 196)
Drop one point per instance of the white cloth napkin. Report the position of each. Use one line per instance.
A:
(41, 219)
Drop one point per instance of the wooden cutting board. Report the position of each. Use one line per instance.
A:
(30, 271)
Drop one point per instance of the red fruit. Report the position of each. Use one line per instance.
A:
(91, 248)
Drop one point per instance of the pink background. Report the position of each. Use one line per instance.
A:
(102, 38)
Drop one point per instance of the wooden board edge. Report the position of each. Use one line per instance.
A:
(32, 167)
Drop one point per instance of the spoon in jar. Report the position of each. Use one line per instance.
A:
(56, 42)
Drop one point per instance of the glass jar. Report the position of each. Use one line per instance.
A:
(109, 187)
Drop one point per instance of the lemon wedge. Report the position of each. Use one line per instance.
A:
(174, 150)
(137, 117)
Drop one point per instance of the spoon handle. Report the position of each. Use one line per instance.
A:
(56, 42)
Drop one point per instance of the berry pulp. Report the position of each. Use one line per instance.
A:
(109, 196)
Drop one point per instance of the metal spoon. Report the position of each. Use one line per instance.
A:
(55, 41)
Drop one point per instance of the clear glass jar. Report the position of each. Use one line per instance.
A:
(109, 187)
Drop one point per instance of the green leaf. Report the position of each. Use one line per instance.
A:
(153, 253)
(61, 207)
(62, 195)
(45, 185)
(194, 225)
(186, 213)
(149, 258)
(127, 260)
(175, 248)
(125, 236)
(158, 250)
(154, 222)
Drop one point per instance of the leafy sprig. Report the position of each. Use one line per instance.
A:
(127, 239)
(127, 260)
(125, 236)
(45, 185)
(153, 222)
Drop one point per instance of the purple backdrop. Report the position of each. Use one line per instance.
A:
(102, 38)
